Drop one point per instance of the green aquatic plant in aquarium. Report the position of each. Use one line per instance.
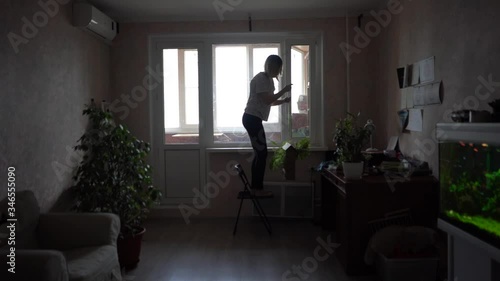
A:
(464, 184)
(492, 205)
(466, 194)
(487, 224)
(478, 202)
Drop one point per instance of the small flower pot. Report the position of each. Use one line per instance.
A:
(353, 171)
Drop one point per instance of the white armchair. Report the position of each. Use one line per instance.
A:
(61, 246)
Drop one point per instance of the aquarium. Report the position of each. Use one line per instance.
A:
(469, 175)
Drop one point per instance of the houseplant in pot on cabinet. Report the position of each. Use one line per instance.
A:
(350, 138)
(114, 177)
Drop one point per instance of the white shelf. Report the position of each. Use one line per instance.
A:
(451, 229)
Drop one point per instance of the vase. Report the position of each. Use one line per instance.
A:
(353, 171)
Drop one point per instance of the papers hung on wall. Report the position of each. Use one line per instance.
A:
(420, 76)
(415, 120)
(403, 119)
(427, 94)
(403, 77)
(426, 70)
(415, 74)
(409, 75)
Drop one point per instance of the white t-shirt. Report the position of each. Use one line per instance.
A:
(256, 105)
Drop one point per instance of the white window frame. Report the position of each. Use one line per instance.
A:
(204, 44)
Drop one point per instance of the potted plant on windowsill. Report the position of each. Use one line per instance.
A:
(350, 138)
(284, 157)
(114, 177)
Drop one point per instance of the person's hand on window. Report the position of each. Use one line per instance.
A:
(287, 88)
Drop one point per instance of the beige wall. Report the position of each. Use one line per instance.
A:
(44, 87)
(463, 36)
(362, 69)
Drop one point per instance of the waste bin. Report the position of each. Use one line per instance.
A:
(404, 253)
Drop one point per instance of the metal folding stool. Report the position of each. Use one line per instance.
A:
(247, 194)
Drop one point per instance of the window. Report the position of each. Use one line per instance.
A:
(180, 96)
(234, 67)
(206, 87)
(300, 90)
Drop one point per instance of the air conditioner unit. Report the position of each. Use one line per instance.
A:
(90, 18)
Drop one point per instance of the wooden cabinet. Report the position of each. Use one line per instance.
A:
(356, 203)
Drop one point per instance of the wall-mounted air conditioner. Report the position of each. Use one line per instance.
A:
(91, 19)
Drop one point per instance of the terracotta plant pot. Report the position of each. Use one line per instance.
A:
(129, 249)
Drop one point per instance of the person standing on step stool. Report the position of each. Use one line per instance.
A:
(260, 100)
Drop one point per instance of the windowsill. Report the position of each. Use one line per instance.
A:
(249, 149)
(193, 135)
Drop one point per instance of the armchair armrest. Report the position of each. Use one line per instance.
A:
(42, 265)
(64, 231)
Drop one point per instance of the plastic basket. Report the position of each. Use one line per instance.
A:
(402, 269)
(421, 269)
(400, 217)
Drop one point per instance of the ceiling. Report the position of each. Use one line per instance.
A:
(198, 10)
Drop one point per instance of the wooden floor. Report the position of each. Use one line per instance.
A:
(206, 250)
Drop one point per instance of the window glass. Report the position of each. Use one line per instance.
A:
(300, 90)
(234, 67)
(180, 96)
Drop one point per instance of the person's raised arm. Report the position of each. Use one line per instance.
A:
(278, 102)
(273, 98)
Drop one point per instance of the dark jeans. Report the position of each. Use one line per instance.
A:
(255, 130)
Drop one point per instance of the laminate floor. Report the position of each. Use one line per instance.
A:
(206, 250)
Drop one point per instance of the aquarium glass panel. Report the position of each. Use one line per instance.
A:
(470, 188)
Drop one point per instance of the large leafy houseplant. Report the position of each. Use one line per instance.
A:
(350, 138)
(113, 175)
